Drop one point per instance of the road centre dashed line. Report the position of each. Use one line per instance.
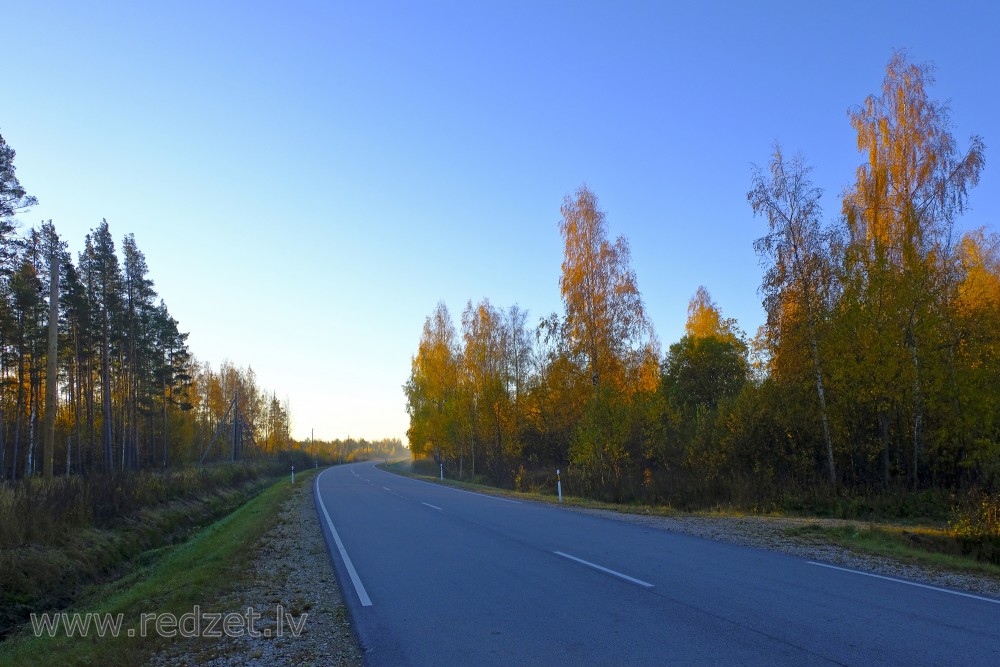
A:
(904, 581)
(355, 579)
(644, 584)
(432, 506)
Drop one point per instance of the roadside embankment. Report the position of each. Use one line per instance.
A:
(201, 602)
(61, 538)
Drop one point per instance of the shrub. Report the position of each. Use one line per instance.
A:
(976, 525)
(35, 510)
(977, 516)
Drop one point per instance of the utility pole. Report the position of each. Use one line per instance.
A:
(51, 372)
(236, 421)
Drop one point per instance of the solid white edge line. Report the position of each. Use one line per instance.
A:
(355, 579)
(645, 584)
(451, 488)
(433, 506)
(908, 583)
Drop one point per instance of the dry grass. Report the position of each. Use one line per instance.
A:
(37, 511)
(181, 577)
(930, 547)
(61, 536)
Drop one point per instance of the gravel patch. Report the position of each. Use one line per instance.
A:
(291, 574)
(769, 533)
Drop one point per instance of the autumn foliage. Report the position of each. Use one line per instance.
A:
(878, 367)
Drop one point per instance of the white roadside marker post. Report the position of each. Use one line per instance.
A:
(559, 484)
(442, 471)
(293, 474)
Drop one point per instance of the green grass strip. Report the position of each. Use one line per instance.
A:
(929, 547)
(196, 572)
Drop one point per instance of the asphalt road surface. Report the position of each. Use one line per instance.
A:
(438, 576)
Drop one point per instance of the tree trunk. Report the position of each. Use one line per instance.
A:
(76, 388)
(29, 469)
(3, 424)
(109, 460)
(91, 425)
(959, 416)
(830, 465)
(51, 371)
(917, 414)
(883, 430)
(499, 450)
(19, 411)
(167, 391)
(3, 444)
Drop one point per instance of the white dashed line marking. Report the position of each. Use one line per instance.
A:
(613, 573)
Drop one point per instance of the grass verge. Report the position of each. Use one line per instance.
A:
(196, 572)
(930, 547)
(61, 537)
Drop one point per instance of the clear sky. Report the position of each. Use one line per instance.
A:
(308, 179)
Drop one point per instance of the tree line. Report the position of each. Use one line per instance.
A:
(878, 366)
(127, 390)
(352, 449)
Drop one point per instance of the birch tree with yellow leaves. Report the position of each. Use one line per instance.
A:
(432, 390)
(609, 338)
(798, 273)
(494, 365)
(606, 324)
(900, 222)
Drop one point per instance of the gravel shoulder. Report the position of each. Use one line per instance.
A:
(769, 533)
(291, 570)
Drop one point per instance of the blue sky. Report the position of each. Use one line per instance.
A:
(308, 179)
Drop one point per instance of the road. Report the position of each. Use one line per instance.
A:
(438, 576)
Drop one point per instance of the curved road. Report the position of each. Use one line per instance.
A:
(438, 576)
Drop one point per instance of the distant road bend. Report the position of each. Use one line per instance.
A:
(437, 576)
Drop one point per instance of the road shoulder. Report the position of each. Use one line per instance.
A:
(289, 571)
